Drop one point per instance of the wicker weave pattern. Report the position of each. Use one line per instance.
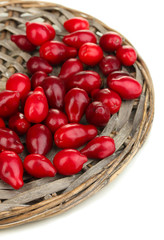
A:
(41, 198)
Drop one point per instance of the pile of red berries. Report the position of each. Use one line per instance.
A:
(46, 106)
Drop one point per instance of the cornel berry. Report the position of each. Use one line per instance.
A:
(39, 166)
(98, 114)
(69, 161)
(75, 24)
(76, 102)
(55, 119)
(39, 139)
(78, 38)
(90, 54)
(39, 33)
(99, 148)
(110, 41)
(23, 43)
(69, 68)
(11, 169)
(109, 98)
(36, 106)
(20, 83)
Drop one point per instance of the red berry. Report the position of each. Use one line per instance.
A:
(23, 43)
(109, 64)
(20, 83)
(69, 161)
(39, 166)
(76, 102)
(99, 148)
(10, 141)
(39, 139)
(9, 103)
(56, 52)
(55, 119)
(38, 33)
(87, 80)
(97, 114)
(78, 38)
(35, 64)
(110, 41)
(11, 169)
(75, 24)
(37, 79)
(127, 55)
(109, 98)
(127, 87)
(74, 135)
(54, 90)
(90, 53)
(36, 106)
(69, 68)
(19, 123)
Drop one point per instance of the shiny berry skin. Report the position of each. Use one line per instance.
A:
(78, 38)
(75, 24)
(19, 123)
(74, 135)
(10, 141)
(116, 74)
(69, 68)
(51, 30)
(127, 55)
(36, 106)
(110, 41)
(23, 43)
(2, 123)
(109, 98)
(11, 169)
(97, 114)
(35, 64)
(37, 79)
(54, 90)
(109, 64)
(87, 80)
(39, 166)
(127, 87)
(90, 54)
(69, 161)
(99, 148)
(56, 52)
(76, 101)
(55, 119)
(39, 139)
(9, 103)
(20, 83)
(38, 33)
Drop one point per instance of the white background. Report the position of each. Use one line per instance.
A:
(132, 206)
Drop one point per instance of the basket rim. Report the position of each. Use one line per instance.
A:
(54, 200)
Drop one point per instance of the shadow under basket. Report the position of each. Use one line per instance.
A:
(42, 198)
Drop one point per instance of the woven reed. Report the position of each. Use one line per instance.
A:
(42, 198)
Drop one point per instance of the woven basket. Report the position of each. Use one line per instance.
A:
(42, 198)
